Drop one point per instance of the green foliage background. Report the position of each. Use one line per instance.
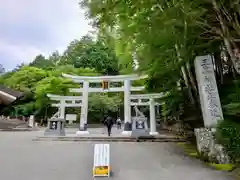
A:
(165, 36)
(84, 57)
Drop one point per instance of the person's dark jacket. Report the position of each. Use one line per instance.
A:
(109, 121)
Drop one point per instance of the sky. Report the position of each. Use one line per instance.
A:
(31, 27)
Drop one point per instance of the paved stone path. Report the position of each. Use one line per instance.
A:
(23, 159)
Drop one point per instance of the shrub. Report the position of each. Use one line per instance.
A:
(228, 135)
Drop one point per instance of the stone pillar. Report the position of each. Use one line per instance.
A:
(62, 109)
(208, 148)
(31, 121)
(127, 108)
(84, 110)
(153, 130)
(208, 92)
(211, 110)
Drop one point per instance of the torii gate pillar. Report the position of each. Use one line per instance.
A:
(84, 110)
(153, 130)
(127, 108)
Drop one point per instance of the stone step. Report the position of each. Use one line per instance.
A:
(110, 139)
(12, 123)
(18, 129)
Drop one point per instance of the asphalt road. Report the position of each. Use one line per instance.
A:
(23, 159)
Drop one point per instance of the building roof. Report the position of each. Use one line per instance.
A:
(8, 96)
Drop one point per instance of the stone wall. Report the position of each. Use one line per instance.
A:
(208, 148)
(178, 128)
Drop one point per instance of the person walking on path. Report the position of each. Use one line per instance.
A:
(119, 122)
(109, 123)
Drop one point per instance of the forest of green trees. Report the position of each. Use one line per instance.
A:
(162, 37)
(43, 75)
(165, 37)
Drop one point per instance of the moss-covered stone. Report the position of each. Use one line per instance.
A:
(194, 154)
(188, 148)
(222, 167)
(191, 151)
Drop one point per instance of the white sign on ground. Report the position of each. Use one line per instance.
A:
(101, 160)
(208, 91)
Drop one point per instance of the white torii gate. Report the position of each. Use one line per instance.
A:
(65, 101)
(140, 100)
(106, 80)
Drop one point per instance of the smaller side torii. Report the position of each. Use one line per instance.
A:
(64, 101)
(147, 100)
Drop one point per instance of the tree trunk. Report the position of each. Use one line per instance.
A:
(225, 35)
(185, 77)
(191, 77)
(219, 67)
